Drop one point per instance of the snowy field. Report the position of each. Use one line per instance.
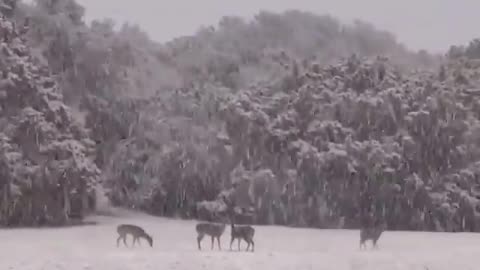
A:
(277, 248)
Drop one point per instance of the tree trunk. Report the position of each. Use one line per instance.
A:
(66, 202)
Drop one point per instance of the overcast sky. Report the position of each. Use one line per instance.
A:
(420, 24)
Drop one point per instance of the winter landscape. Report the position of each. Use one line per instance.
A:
(292, 130)
(93, 247)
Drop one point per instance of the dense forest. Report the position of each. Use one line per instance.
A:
(297, 118)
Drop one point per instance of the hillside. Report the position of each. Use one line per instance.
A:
(299, 119)
(93, 247)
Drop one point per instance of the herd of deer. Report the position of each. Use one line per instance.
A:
(214, 230)
(239, 232)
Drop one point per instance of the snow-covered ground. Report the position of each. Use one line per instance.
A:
(277, 248)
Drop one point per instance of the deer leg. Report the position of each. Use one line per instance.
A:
(231, 242)
(253, 244)
(213, 239)
(375, 246)
(248, 244)
(199, 239)
(239, 240)
(118, 240)
(134, 241)
(218, 241)
(125, 240)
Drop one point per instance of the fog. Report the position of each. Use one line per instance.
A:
(426, 24)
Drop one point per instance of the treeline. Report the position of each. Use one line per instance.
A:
(274, 113)
(46, 174)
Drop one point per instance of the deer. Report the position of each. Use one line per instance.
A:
(244, 232)
(239, 232)
(136, 231)
(214, 230)
(372, 233)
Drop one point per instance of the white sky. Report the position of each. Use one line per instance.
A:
(420, 24)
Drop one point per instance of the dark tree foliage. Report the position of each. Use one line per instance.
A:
(292, 118)
(46, 170)
(470, 51)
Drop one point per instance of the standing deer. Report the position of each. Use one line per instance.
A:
(239, 232)
(371, 233)
(244, 232)
(214, 230)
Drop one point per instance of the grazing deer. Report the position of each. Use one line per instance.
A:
(136, 231)
(371, 233)
(214, 230)
(244, 232)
